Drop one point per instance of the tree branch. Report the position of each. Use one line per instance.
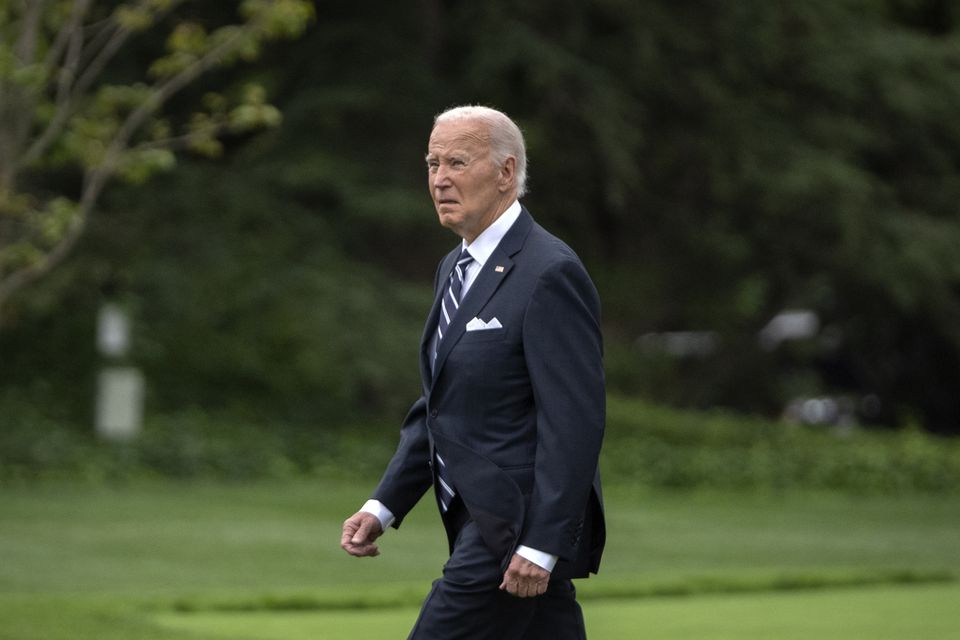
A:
(97, 178)
(96, 65)
(109, 49)
(26, 46)
(9, 284)
(71, 37)
(164, 91)
(92, 70)
(18, 100)
(74, 23)
(182, 142)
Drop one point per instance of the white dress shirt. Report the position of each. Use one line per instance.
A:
(480, 249)
(484, 244)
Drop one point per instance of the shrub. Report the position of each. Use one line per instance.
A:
(645, 444)
(664, 447)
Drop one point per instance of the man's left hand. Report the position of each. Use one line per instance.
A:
(524, 579)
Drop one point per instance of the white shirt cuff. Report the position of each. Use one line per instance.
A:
(384, 515)
(543, 560)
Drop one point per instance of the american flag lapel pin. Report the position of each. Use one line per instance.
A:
(498, 268)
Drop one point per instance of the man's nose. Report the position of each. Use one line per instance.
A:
(441, 177)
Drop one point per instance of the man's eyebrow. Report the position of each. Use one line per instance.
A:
(454, 154)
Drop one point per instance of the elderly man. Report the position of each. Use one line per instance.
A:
(509, 426)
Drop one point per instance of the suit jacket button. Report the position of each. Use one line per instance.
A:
(434, 413)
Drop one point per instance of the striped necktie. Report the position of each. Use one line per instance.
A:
(448, 308)
(446, 491)
(451, 297)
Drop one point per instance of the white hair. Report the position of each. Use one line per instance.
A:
(505, 136)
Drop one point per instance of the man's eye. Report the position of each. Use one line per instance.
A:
(458, 163)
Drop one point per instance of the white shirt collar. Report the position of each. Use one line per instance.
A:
(484, 244)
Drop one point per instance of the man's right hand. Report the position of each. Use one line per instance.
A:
(359, 532)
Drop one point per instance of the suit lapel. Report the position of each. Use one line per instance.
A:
(488, 280)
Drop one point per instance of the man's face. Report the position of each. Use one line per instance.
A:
(469, 190)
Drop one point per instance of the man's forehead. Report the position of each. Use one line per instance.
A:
(458, 134)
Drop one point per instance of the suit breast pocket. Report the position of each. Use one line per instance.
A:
(483, 335)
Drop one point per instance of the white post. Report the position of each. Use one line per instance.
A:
(119, 411)
(119, 403)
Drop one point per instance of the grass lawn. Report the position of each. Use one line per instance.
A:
(924, 612)
(879, 613)
(176, 561)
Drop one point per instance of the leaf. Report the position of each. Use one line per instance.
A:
(134, 18)
(188, 37)
(137, 166)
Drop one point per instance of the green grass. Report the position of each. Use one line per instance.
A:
(883, 613)
(178, 561)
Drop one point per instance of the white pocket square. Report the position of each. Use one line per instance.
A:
(479, 325)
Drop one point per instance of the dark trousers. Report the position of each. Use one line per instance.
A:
(466, 603)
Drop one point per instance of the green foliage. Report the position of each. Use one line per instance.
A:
(712, 167)
(281, 325)
(278, 18)
(254, 111)
(661, 447)
(746, 158)
(645, 445)
(38, 228)
(141, 16)
(59, 107)
(186, 446)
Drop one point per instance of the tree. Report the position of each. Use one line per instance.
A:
(712, 167)
(64, 106)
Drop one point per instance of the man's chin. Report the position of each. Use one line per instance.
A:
(449, 219)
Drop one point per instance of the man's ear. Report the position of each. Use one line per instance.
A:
(507, 178)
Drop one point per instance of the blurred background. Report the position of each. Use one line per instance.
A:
(764, 192)
(217, 251)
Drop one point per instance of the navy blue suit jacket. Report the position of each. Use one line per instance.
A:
(516, 413)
